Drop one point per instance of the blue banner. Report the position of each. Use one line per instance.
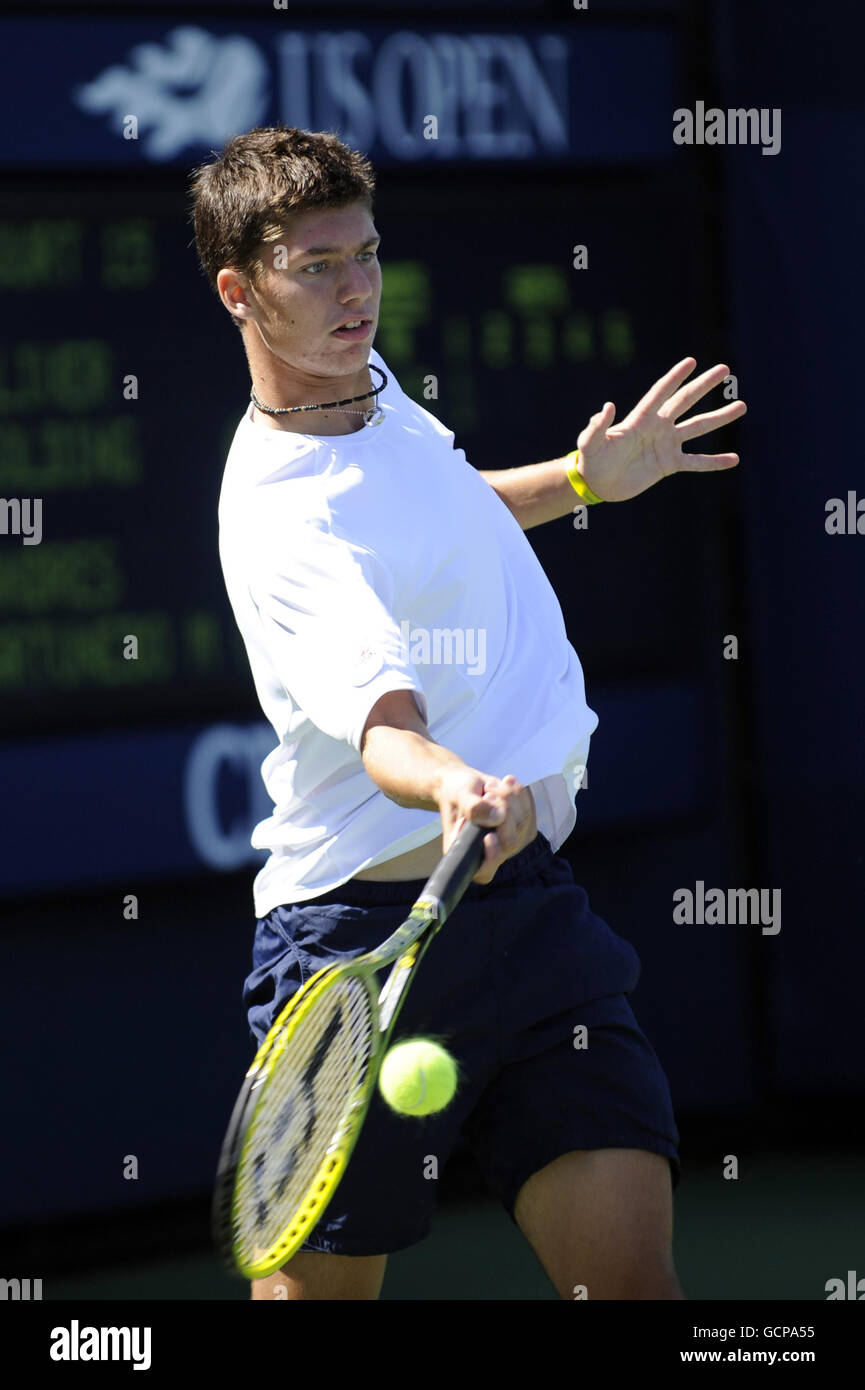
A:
(131, 93)
(138, 805)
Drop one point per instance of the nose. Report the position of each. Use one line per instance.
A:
(356, 284)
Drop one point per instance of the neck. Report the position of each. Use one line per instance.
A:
(281, 385)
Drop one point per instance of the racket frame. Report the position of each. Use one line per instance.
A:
(404, 949)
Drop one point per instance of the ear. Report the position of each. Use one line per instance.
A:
(234, 292)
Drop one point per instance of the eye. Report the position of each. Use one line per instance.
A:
(315, 264)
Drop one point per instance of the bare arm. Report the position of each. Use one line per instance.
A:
(415, 771)
(537, 493)
(619, 461)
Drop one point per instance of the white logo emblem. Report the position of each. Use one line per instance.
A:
(195, 90)
(367, 663)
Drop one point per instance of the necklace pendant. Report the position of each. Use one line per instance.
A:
(375, 416)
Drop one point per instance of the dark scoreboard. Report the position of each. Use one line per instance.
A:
(122, 381)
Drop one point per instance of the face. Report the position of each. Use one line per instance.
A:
(323, 271)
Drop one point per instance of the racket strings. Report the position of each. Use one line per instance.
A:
(301, 1112)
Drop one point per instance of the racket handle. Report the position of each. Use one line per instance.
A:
(452, 876)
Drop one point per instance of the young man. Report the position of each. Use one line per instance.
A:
(348, 520)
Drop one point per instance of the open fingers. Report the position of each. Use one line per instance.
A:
(688, 395)
(664, 388)
(711, 420)
(706, 463)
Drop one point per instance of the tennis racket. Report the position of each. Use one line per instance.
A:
(307, 1092)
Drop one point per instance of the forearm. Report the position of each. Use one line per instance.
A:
(535, 493)
(407, 765)
(416, 772)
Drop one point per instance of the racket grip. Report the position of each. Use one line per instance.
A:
(452, 876)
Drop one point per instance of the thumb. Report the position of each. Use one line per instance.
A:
(597, 426)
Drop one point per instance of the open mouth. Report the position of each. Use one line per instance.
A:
(360, 331)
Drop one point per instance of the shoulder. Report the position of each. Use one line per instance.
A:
(411, 412)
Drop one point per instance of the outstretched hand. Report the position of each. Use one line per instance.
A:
(621, 461)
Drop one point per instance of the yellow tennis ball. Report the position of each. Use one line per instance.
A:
(418, 1077)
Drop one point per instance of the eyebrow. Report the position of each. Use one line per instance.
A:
(332, 250)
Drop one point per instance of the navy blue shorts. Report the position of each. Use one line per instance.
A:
(520, 967)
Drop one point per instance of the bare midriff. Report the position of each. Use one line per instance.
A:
(415, 863)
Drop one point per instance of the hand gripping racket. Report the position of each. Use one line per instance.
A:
(307, 1092)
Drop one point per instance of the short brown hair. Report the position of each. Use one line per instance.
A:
(245, 196)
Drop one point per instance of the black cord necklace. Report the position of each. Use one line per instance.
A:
(373, 415)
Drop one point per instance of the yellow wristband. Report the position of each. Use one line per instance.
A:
(577, 483)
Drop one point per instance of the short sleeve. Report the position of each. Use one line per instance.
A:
(324, 604)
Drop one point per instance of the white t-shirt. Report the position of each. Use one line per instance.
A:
(376, 561)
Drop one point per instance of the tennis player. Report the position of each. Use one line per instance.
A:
(352, 536)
